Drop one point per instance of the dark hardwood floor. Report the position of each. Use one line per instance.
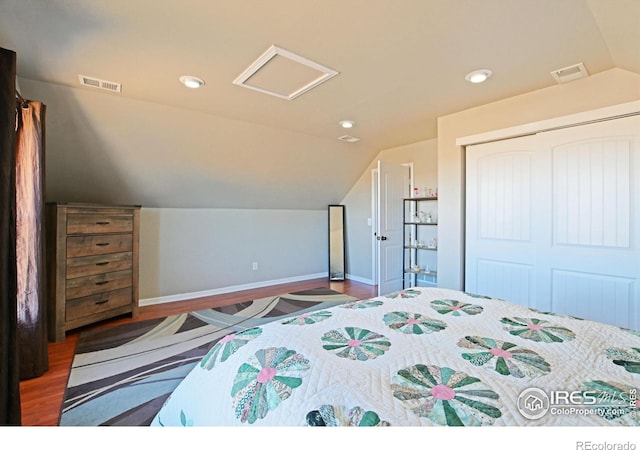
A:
(41, 397)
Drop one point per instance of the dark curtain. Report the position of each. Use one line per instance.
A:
(32, 333)
(9, 363)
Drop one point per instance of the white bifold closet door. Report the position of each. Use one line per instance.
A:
(553, 221)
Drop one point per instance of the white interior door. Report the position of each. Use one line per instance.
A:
(393, 187)
(501, 220)
(553, 221)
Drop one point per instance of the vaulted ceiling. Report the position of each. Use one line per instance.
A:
(400, 64)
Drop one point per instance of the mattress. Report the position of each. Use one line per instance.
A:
(417, 357)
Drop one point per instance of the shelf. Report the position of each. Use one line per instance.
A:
(421, 199)
(413, 224)
(421, 223)
(431, 273)
(424, 247)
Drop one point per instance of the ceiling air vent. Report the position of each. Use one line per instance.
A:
(570, 73)
(97, 83)
(347, 138)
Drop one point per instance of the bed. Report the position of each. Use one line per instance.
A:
(418, 357)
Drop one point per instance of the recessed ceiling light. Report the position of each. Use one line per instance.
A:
(191, 81)
(347, 123)
(478, 76)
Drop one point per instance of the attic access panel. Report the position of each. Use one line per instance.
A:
(283, 74)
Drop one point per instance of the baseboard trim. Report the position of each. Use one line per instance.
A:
(361, 280)
(226, 290)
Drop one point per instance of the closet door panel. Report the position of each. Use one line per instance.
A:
(592, 193)
(592, 253)
(604, 298)
(500, 228)
(578, 242)
(506, 280)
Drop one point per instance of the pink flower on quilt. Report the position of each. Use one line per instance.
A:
(455, 307)
(412, 323)
(307, 318)
(503, 357)
(355, 343)
(445, 396)
(537, 330)
(267, 379)
(227, 346)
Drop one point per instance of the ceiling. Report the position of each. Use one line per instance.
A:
(400, 63)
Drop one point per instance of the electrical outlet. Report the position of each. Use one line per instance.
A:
(254, 265)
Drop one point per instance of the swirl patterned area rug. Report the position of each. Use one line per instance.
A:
(121, 375)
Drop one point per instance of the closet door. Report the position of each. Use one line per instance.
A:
(502, 220)
(591, 252)
(571, 197)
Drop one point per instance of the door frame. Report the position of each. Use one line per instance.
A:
(375, 260)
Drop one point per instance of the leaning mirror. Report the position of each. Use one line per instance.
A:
(336, 243)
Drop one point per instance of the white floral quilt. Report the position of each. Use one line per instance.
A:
(422, 356)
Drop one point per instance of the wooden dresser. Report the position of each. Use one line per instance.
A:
(92, 264)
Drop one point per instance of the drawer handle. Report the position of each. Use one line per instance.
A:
(103, 223)
(102, 244)
(103, 263)
(100, 283)
(102, 302)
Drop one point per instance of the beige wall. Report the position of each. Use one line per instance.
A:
(358, 203)
(192, 252)
(608, 88)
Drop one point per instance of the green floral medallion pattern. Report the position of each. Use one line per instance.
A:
(341, 416)
(537, 330)
(184, 421)
(227, 346)
(549, 313)
(308, 318)
(504, 357)
(480, 296)
(455, 307)
(629, 359)
(355, 343)
(632, 332)
(412, 323)
(445, 396)
(615, 401)
(407, 293)
(362, 304)
(265, 381)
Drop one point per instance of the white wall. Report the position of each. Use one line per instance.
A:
(600, 90)
(358, 203)
(185, 252)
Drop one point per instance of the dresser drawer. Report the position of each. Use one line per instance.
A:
(94, 284)
(99, 223)
(98, 244)
(94, 304)
(91, 265)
